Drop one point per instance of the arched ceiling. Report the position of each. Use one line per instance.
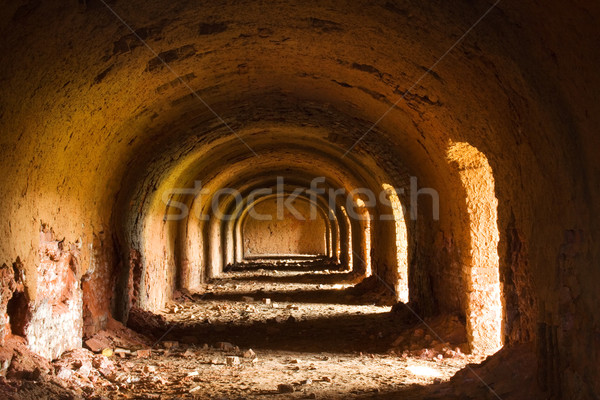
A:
(93, 124)
(88, 110)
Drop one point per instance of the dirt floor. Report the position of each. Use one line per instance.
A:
(262, 333)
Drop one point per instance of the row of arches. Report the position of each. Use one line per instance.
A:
(367, 219)
(95, 129)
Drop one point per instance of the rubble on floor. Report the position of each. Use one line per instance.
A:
(374, 290)
(434, 338)
(80, 373)
(510, 374)
(17, 361)
(116, 335)
(319, 344)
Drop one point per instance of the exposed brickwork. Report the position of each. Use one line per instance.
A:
(95, 129)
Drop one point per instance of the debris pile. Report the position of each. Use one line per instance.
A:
(433, 339)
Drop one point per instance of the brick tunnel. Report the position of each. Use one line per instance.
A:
(317, 199)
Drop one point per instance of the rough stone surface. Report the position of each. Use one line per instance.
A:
(97, 133)
(56, 322)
